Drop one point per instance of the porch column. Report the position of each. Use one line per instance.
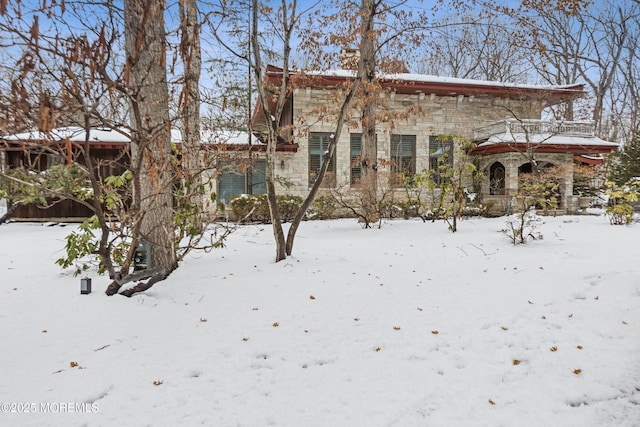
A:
(566, 190)
(511, 177)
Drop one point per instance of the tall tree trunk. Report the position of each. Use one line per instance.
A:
(145, 47)
(367, 69)
(273, 121)
(278, 232)
(192, 61)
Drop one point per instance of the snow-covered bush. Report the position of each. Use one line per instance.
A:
(620, 209)
(523, 226)
(535, 190)
(323, 207)
(288, 205)
(252, 207)
(255, 207)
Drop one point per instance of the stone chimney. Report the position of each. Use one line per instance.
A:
(349, 58)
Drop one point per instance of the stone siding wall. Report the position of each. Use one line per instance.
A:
(433, 115)
(511, 163)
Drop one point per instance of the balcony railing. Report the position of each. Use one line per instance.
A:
(532, 126)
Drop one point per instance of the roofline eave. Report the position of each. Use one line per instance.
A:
(520, 147)
(551, 95)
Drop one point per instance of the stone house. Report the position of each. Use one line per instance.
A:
(504, 120)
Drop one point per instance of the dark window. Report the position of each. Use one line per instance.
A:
(234, 181)
(318, 145)
(403, 157)
(496, 179)
(528, 167)
(440, 154)
(525, 168)
(356, 152)
(40, 161)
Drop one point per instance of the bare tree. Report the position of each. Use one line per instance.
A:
(66, 68)
(73, 67)
(608, 38)
(474, 47)
(377, 29)
(369, 9)
(190, 102)
(586, 42)
(287, 14)
(619, 117)
(628, 105)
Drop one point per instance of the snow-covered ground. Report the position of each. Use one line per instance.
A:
(409, 325)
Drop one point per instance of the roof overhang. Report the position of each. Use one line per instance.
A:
(415, 84)
(589, 160)
(508, 142)
(18, 145)
(260, 148)
(98, 137)
(523, 147)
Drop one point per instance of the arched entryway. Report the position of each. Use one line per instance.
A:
(549, 194)
(496, 179)
(528, 167)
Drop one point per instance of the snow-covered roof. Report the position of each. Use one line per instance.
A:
(426, 78)
(546, 138)
(227, 137)
(544, 142)
(74, 133)
(78, 134)
(424, 84)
